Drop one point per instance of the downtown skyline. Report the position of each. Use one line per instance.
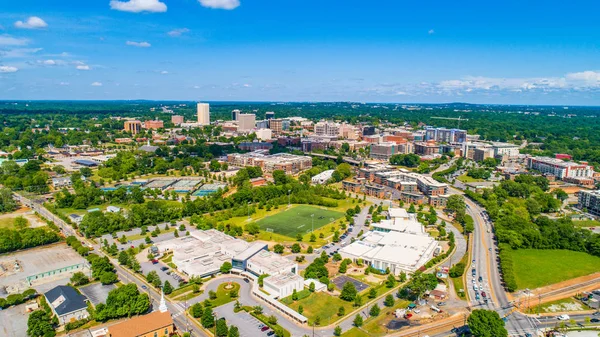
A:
(230, 50)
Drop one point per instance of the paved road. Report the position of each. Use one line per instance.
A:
(177, 310)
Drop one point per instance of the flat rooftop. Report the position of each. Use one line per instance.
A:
(270, 262)
(282, 279)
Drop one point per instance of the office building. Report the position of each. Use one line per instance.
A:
(264, 134)
(246, 122)
(133, 126)
(289, 163)
(325, 128)
(177, 120)
(505, 149)
(269, 115)
(276, 125)
(154, 125)
(384, 151)
(264, 124)
(234, 114)
(203, 110)
(368, 130)
(283, 285)
(322, 177)
(443, 135)
(426, 148)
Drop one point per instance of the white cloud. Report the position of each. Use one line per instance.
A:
(142, 44)
(431, 31)
(83, 67)
(64, 83)
(178, 32)
(7, 40)
(220, 4)
(19, 52)
(164, 72)
(246, 85)
(96, 84)
(585, 76)
(49, 62)
(196, 87)
(33, 22)
(137, 6)
(8, 69)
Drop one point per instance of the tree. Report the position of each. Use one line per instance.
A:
(79, 279)
(208, 321)
(313, 237)
(341, 311)
(389, 301)
(311, 287)
(197, 310)
(252, 228)
(212, 294)
(294, 295)
(296, 248)
(222, 330)
(20, 222)
(299, 237)
(123, 258)
(348, 292)
(226, 267)
(391, 281)
(233, 331)
(358, 321)
(372, 293)
(214, 166)
(411, 209)
(486, 323)
(39, 324)
(375, 310)
(272, 319)
(278, 249)
(300, 309)
(309, 250)
(167, 288)
(108, 277)
(337, 331)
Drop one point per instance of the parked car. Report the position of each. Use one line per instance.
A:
(270, 333)
(594, 320)
(483, 294)
(246, 280)
(480, 279)
(144, 287)
(563, 317)
(260, 326)
(164, 268)
(264, 328)
(441, 304)
(155, 261)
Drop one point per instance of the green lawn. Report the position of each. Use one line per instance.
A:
(586, 223)
(466, 179)
(7, 223)
(323, 305)
(376, 325)
(536, 268)
(355, 332)
(223, 294)
(565, 304)
(294, 220)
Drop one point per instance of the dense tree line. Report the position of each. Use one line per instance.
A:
(28, 177)
(7, 203)
(124, 301)
(16, 299)
(408, 160)
(15, 239)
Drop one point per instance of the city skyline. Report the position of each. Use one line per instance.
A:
(229, 50)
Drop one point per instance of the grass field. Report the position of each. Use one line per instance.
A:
(323, 305)
(7, 223)
(292, 221)
(537, 268)
(466, 179)
(586, 223)
(355, 332)
(565, 304)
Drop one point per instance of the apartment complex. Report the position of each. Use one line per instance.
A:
(203, 110)
(325, 128)
(154, 125)
(444, 135)
(132, 126)
(590, 201)
(427, 148)
(289, 163)
(564, 170)
(176, 120)
(276, 125)
(385, 150)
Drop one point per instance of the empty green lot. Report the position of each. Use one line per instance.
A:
(536, 268)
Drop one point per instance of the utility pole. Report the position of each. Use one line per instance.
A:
(312, 217)
(289, 195)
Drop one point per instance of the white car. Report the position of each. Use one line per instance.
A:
(475, 287)
(563, 317)
(417, 311)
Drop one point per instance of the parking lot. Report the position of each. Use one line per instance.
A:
(246, 323)
(343, 279)
(97, 293)
(13, 321)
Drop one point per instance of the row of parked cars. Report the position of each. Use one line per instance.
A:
(265, 328)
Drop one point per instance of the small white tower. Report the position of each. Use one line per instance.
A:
(163, 304)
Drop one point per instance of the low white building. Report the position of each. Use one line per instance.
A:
(264, 134)
(318, 285)
(266, 262)
(113, 209)
(398, 251)
(283, 285)
(322, 177)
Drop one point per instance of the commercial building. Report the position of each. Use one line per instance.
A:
(325, 128)
(234, 114)
(563, 170)
(255, 146)
(67, 304)
(426, 148)
(203, 110)
(505, 149)
(395, 251)
(264, 134)
(481, 154)
(322, 177)
(266, 262)
(368, 131)
(154, 125)
(132, 126)
(283, 285)
(590, 201)
(176, 119)
(246, 122)
(269, 115)
(384, 151)
(60, 182)
(444, 135)
(289, 163)
(276, 125)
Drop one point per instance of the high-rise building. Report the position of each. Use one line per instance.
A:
(234, 114)
(276, 125)
(246, 122)
(269, 115)
(444, 135)
(176, 119)
(327, 129)
(203, 114)
(133, 126)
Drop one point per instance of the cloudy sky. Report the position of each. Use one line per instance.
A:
(532, 52)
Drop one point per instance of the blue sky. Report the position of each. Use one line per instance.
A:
(521, 52)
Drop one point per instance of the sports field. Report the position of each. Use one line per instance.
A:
(297, 219)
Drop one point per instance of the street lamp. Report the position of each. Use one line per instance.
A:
(289, 194)
(312, 217)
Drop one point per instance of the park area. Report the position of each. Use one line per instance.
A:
(536, 268)
(322, 305)
(297, 219)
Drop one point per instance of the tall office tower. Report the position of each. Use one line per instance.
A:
(246, 122)
(203, 114)
(269, 115)
(234, 114)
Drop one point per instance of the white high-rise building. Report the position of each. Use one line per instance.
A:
(203, 114)
(246, 122)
